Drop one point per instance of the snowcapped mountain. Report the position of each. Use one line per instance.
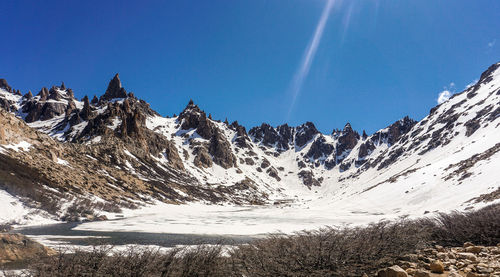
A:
(117, 149)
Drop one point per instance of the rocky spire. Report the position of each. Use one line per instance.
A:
(115, 90)
(85, 112)
(5, 85)
(364, 135)
(28, 95)
(63, 87)
(347, 128)
(95, 100)
(44, 93)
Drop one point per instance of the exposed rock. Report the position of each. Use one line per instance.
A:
(194, 118)
(29, 95)
(115, 90)
(44, 94)
(241, 139)
(437, 266)
(16, 248)
(4, 85)
(273, 173)
(320, 148)
(95, 100)
(202, 157)
(305, 133)
(393, 271)
(221, 150)
(86, 111)
(347, 140)
(308, 179)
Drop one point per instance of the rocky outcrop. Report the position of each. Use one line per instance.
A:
(114, 90)
(220, 149)
(320, 148)
(305, 133)
(192, 117)
(347, 140)
(4, 85)
(18, 248)
(308, 179)
(241, 139)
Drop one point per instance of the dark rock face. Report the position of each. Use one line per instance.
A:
(347, 140)
(43, 110)
(308, 179)
(95, 100)
(202, 157)
(365, 149)
(194, 118)
(305, 133)
(4, 85)
(241, 139)
(286, 134)
(86, 111)
(115, 90)
(220, 149)
(29, 95)
(273, 173)
(44, 94)
(320, 148)
(264, 134)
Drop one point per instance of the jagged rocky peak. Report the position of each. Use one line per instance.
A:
(241, 139)
(347, 140)
(320, 148)
(28, 95)
(115, 90)
(4, 85)
(264, 134)
(304, 133)
(394, 132)
(44, 94)
(95, 100)
(192, 117)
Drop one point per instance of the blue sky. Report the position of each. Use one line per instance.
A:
(374, 62)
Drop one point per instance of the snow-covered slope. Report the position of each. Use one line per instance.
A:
(447, 160)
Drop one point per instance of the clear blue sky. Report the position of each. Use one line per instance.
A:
(376, 61)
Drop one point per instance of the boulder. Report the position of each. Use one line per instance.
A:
(437, 266)
(393, 271)
(17, 247)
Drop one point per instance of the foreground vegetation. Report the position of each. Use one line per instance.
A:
(325, 252)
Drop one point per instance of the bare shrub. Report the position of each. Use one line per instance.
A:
(324, 252)
(331, 252)
(480, 227)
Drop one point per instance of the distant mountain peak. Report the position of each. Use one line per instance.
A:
(114, 90)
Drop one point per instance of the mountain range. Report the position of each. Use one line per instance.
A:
(116, 151)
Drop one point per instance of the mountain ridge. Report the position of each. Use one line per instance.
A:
(192, 157)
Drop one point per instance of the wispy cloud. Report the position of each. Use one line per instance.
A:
(309, 54)
(471, 84)
(444, 96)
(492, 43)
(446, 93)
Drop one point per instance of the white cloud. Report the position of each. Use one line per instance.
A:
(492, 43)
(471, 84)
(444, 96)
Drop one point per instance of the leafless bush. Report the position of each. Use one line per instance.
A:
(480, 227)
(325, 252)
(197, 261)
(331, 252)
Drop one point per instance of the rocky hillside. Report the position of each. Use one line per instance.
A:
(117, 149)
